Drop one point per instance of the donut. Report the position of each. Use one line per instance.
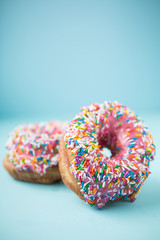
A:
(33, 152)
(92, 175)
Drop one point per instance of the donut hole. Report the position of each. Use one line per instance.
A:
(107, 152)
(109, 144)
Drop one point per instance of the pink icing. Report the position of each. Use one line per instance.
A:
(35, 147)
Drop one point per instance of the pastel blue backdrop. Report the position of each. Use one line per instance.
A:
(56, 56)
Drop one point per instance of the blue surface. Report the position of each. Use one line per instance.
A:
(32, 211)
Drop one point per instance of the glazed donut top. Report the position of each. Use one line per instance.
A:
(35, 147)
(114, 126)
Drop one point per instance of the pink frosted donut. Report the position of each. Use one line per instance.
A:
(116, 127)
(35, 147)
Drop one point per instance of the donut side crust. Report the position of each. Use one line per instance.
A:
(64, 167)
(51, 176)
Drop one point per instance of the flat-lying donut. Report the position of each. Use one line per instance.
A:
(92, 175)
(33, 152)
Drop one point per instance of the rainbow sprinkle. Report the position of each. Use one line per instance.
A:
(35, 147)
(115, 126)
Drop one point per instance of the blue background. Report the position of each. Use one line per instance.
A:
(56, 56)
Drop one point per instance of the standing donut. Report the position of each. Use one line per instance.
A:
(93, 176)
(34, 152)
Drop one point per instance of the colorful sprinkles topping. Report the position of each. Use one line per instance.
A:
(35, 147)
(114, 126)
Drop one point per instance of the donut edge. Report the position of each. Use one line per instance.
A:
(51, 176)
(64, 167)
